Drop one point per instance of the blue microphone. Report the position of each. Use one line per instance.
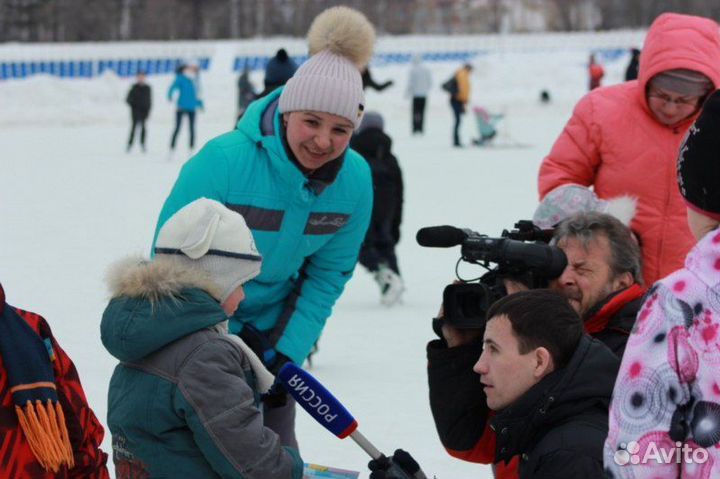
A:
(317, 401)
(322, 405)
(330, 413)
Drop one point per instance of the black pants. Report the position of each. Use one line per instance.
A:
(178, 119)
(418, 113)
(379, 247)
(137, 120)
(458, 110)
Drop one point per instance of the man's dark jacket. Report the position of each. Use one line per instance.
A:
(557, 427)
(139, 99)
(612, 319)
(462, 419)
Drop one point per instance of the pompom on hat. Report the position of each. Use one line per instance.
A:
(340, 41)
(566, 200)
(213, 238)
(698, 166)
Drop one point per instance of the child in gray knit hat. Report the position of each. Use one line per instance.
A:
(184, 400)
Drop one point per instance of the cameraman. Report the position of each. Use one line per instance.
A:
(601, 283)
(547, 384)
(603, 279)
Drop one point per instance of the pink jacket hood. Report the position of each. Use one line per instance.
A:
(680, 41)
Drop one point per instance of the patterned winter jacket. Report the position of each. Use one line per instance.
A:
(613, 142)
(308, 230)
(668, 389)
(182, 401)
(86, 433)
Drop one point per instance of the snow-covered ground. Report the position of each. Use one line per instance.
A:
(72, 201)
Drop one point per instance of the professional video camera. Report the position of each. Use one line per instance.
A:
(522, 255)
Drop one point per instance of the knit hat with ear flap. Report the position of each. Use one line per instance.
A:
(212, 238)
(698, 166)
(340, 40)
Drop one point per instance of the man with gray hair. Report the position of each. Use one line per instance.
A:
(603, 278)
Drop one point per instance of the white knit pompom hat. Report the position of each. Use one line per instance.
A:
(569, 199)
(340, 41)
(213, 238)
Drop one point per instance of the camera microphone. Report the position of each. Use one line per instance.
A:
(440, 236)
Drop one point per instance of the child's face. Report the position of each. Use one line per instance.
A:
(231, 303)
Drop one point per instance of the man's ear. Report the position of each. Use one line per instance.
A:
(544, 363)
(622, 281)
(285, 117)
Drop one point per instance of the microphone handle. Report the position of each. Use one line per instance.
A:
(366, 445)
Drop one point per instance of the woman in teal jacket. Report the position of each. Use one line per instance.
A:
(183, 402)
(305, 195)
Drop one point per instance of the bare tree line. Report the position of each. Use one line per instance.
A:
(113, 20)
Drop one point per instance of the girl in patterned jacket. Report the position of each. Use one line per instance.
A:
(665, 413)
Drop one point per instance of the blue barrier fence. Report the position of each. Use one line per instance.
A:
(158, 66)
(91, 68)
(380, 59)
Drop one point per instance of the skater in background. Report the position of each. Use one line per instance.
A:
(631, 73)
(666, 394)
(623, 139)
(187, 84)
(368, 81)
(184, 401)
(377, 253)
(595, 72)
(246, 91)
(307, 196)
(38, 380)
(140, 100)
(459, 89)
(278, 71)
(418, 86)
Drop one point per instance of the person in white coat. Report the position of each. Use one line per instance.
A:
(418, 87)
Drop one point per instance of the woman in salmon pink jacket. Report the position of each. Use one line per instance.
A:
(624, 139)
(665, 413)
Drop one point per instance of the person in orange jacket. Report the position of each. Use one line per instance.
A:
(48, 430)
(624, 139)
(459, 98)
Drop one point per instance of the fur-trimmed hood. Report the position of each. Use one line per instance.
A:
(155, 303)
(136, 277)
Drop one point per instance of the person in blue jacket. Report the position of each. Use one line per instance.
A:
(188, 100)
(304, 194)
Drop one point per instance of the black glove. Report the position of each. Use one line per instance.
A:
(275, 397)
(400, 466)
(258, 342)
(272, 359)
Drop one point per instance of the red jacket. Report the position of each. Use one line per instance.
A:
(613, 142)
(86, 432)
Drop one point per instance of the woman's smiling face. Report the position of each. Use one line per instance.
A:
(316, 138)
